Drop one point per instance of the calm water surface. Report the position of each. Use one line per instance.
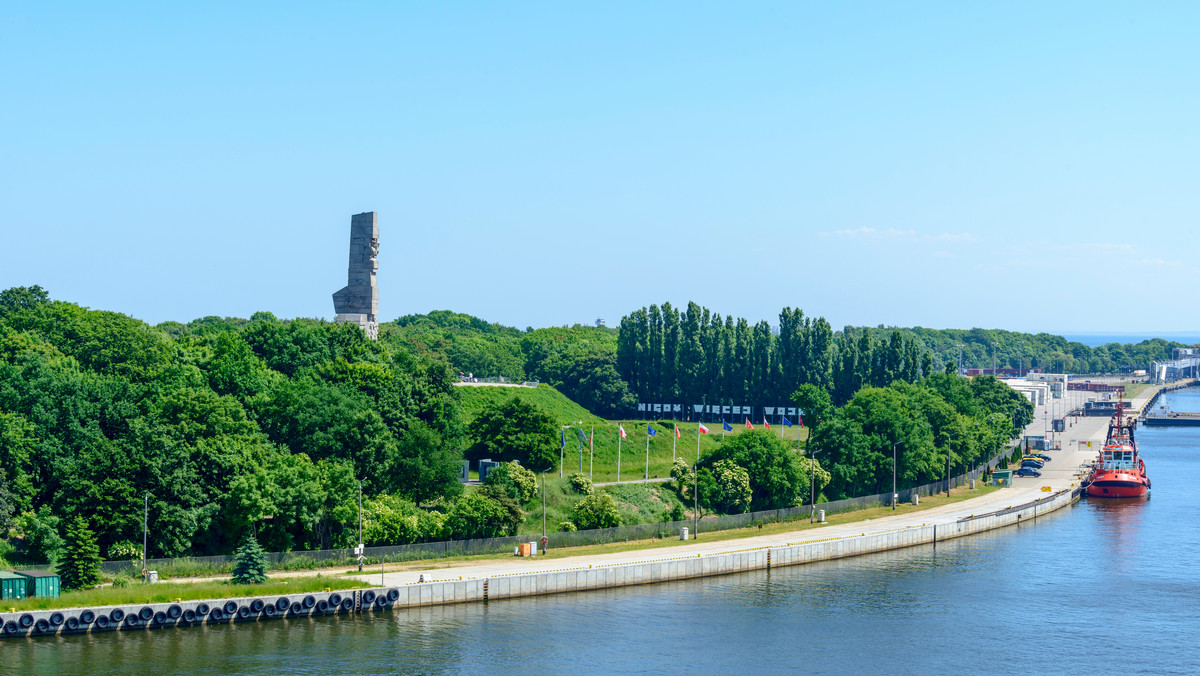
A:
(1099, 587)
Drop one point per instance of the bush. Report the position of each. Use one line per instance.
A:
(675, 513)
(519, 483)
(566, 527)
(475, 515)
(121, 581)
(581, 484)
(80, 564)
(598, 510)
(125, 551)
(251, 563)
(392, 520)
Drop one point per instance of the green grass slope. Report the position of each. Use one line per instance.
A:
(602, 465)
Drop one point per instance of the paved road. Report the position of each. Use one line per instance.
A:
(1063, 471)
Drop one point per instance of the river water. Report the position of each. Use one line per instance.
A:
(1099, 587)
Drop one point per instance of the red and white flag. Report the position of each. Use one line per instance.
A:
(801, 419)
(677, 435)
(748, 425)
(765, 423)
(703, 429)
(621, 431)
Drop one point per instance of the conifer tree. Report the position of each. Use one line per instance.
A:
(251, 563)
(79, 567)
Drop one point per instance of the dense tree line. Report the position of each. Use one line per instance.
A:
(232, 427)
(981, 348)
(698, 356)
(969, 419)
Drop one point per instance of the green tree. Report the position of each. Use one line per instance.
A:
(732, 494)
(772, 465)
(39, 532)
(424, 466)
(597, 510)
(515, 430)
(250, 565)
(21, 298)
(79, 567)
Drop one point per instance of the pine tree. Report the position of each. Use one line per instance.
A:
(80, 564)
(251, 563)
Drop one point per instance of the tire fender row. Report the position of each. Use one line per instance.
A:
(193, 613)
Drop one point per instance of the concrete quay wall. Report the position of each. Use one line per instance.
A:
(606, 576)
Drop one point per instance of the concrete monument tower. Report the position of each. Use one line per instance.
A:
(358, 301)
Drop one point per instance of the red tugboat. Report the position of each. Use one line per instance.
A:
(1119, 472)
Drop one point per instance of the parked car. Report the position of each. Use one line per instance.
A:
(1036, 462)
(1027, 471)
(1043, 456)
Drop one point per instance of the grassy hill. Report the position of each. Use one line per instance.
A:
(632, 450)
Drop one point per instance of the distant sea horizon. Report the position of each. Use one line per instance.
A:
(1097, 339)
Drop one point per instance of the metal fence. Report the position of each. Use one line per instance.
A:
(499, 380)
(325, 558)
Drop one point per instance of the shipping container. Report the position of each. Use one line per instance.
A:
(12, 586)
(39, 583)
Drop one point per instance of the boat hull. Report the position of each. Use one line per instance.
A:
(1118, 485)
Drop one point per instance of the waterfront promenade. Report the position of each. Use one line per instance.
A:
(1063, 472)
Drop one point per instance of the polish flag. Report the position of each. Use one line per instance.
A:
(677, 435)
(748, 425)
(766, 424)
(621, 430)
(703, 429)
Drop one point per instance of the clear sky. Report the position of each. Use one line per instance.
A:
(1030, 166)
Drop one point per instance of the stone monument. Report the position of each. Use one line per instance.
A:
(358, 301)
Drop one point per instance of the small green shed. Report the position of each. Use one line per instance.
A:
(39, 583)
(1002, 477)
(12, 586)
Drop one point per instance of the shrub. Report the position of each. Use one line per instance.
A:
(80, 564)
(125, 551)
(598, 510)
(519, 483)
(251, 563)
(566, 527)
(581, 484)
(392, 520)
(475, 515)
(121, 581)
(675, 513)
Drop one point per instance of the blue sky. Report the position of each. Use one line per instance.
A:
(1030, 166)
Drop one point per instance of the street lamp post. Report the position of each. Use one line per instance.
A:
(948, 440)
(145, 531)
(959, 372)
(360, 540)
(894, 494)
(994, 346)
(543, 504)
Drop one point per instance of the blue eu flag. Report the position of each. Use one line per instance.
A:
(650, 430)
(787, 422)
(728, 427)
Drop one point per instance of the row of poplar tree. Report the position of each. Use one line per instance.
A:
(699, 356)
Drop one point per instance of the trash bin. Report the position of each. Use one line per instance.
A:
(683, 533)
(820, 516)
(916, 499)
(152, 576)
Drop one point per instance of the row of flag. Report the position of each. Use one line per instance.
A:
(704, 430)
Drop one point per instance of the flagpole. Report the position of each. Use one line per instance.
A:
(618, 454)
(697, 444)
(562, 449)
(647, 476)
(591, 452)
(674, 443)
